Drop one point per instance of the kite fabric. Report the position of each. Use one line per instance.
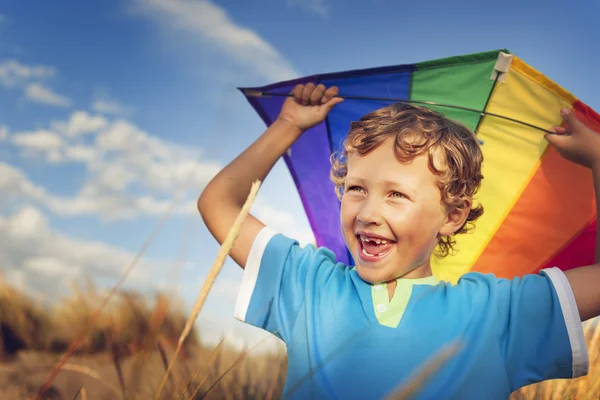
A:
(539, 208)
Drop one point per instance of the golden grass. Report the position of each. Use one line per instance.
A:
(24, 324)
(129, 323)
(125, 353)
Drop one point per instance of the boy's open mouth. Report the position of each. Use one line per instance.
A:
(372, 248)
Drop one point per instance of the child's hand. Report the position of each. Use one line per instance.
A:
(309, 105)
(576, 142)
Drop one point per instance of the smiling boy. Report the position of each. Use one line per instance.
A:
(394, 209)
(406, 180)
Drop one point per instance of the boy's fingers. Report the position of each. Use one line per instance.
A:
(308, 89)
(558, 141)
(297, 92)
(333, 102)
(559, 130)
(330, 93)
(574, 124)
(317, 94)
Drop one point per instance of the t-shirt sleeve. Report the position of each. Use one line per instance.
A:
(541, 333)
(278, 276)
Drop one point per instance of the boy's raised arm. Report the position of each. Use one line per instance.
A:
(581, 145)
(223, 198)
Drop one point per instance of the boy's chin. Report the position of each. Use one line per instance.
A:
(373, 276)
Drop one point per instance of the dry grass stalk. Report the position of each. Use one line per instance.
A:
(116, 359)
(212, 275)
(138, 368)
(164, 359)
(82, 393)
(87, 371)
(239, 359)
(274, 381)
(418, 380)
(213, 354)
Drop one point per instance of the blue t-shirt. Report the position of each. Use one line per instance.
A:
(512, 332)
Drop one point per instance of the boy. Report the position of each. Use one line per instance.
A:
(406, 181)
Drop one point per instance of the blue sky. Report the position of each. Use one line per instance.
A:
(106, 106)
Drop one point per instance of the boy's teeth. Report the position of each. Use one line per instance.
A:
(377, 241)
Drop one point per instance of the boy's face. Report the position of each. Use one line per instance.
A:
(391, 214)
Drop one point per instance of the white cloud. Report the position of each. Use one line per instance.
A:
(93, 199)
(130, 173)
(38, 140)
(120, 146)
(4, 131)
(42, 94)
(108, 205)
(283, 222)
(13, 73)
(47, 258)
(108, 106)
(213, 25)
(81, 153)
(319, 7)
(157, 165)
(14, 185)
(81, 123)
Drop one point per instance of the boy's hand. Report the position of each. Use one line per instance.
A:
(576, 142)
(309, 105)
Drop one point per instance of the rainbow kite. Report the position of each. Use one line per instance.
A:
(539, 208)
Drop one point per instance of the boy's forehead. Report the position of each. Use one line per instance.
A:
(376, 168)
(388, 154)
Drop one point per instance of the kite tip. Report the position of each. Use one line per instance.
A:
(252, 92)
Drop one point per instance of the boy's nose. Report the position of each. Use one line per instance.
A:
(369, 213)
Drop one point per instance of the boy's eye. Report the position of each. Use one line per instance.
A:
(355, 188)
(398, 195)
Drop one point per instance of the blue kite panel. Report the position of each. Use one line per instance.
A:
(392, 85)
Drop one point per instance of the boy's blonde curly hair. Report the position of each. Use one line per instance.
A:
(418, 130)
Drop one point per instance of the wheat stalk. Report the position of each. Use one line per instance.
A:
(85, 370)
(212, 355)
(418, 380)
(212, 275)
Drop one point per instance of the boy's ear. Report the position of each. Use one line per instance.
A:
(455, 219)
